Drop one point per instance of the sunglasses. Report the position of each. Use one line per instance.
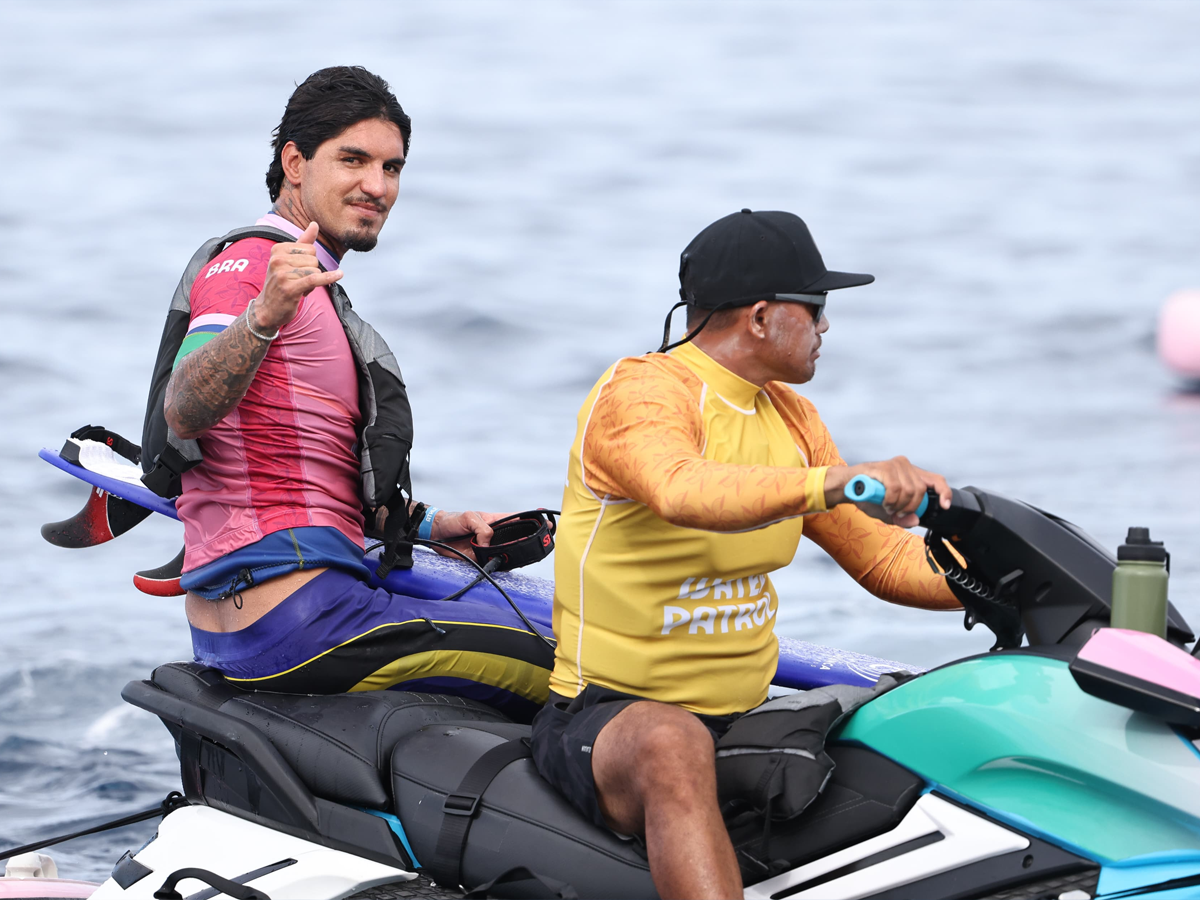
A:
(815, 303)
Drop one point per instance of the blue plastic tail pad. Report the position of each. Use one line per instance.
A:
(865, 489)
(397, 830)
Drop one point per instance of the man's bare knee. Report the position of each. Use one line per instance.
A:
(675, 751)
(654, 749)
(654, 729)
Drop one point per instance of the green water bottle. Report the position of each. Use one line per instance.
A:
(1139, 586)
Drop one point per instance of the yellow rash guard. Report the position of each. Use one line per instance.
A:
(687, 486)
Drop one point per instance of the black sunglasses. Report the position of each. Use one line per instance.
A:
(815, 303)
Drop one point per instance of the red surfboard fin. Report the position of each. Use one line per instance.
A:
(163, 581)
(102, 518)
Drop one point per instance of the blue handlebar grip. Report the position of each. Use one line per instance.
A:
(865, 489)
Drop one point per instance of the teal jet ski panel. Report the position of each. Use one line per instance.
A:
(1014, 732)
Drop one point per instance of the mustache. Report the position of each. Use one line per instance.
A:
(366, 201)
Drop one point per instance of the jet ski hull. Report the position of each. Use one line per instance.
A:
(382, 772)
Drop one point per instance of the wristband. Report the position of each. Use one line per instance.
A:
(425, 532)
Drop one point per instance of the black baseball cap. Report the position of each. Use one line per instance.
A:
(756, 255)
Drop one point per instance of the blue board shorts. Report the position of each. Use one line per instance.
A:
(336, 634)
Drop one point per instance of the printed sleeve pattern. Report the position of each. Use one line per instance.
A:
(223, 290)
(644, 441)
(885, 559)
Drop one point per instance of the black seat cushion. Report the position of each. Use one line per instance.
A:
(339, 744)
(521, 821)
(192, 681)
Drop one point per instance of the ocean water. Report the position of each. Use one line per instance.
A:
(1021, 177)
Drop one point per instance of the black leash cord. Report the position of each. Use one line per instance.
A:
(492, 581)
(490, 566)
(170, 803)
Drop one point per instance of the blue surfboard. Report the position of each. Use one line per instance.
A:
(801, 665)
(134, 493)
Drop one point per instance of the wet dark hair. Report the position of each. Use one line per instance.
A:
(326, 104)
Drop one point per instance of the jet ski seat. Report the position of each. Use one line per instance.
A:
(520, 820)
(355, 752)
(340, 745)
(335, 768)
(516, 819)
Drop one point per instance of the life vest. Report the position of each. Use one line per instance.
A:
(385, 435)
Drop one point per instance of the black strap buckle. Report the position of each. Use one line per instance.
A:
(164, 477)
(461, 804)
(397, 546)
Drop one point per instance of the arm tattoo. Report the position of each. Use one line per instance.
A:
(210, 381)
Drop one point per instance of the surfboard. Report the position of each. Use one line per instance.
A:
(118, 487)
(802, 665)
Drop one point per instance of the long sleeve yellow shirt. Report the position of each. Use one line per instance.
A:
(687, 486)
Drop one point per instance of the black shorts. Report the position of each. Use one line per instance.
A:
(565, 730)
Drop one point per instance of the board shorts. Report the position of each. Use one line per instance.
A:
(336, 634)
(565, 731)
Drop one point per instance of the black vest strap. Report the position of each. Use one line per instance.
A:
(386, 430)
(462, 805)
(169, 465)
(397, 542)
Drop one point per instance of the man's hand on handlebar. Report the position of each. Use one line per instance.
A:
(906, 487)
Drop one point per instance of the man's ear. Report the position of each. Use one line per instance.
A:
(292, 160)
(756, 319)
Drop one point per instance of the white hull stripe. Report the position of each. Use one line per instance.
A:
(935, 837)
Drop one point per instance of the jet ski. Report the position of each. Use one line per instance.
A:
(1063, 764)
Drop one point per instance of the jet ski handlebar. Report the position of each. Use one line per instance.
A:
(1020, 570)
(865, 489)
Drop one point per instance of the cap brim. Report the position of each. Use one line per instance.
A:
(834, 281)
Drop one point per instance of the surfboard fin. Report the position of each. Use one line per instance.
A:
(102, 518)
(163, 581)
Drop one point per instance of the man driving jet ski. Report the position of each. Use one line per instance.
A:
(694, 472)
(282, 417)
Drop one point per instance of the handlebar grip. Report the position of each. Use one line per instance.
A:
(865, 489)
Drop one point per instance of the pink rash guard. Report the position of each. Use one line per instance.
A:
(285, 457)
